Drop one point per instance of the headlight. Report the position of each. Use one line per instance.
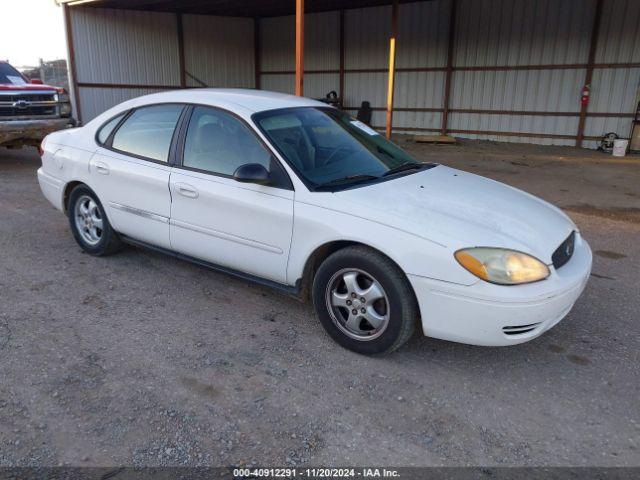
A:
(65, 104)
(504, 267)
(65, 109)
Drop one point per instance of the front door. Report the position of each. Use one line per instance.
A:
(242, 226)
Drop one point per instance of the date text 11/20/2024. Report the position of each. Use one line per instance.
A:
(240, 473)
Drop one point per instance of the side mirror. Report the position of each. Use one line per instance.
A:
(252, 173)
(36, 81)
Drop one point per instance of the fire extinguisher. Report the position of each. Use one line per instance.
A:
(584, 96)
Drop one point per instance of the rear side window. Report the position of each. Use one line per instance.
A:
(107, 128)
(148, 132)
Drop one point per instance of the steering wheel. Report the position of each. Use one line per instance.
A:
(331, 158)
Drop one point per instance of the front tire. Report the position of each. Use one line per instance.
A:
(364, 301)
(89, 223)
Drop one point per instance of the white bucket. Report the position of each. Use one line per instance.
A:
(620, 147)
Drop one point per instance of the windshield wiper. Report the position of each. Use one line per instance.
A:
(403, 168)
(349, 179)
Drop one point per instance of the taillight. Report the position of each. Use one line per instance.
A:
(41, 149)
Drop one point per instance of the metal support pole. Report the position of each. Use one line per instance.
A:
(392, 66)
(589, 75)
(73, 74)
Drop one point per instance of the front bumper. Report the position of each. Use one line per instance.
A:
(31, 132)
(494, 315)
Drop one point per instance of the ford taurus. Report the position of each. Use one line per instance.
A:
(297, 195)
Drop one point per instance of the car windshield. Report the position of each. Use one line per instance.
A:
(330, 150)
(8, 74)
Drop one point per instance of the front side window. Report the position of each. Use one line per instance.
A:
(148, 132)
(328, 148)
(219, 143)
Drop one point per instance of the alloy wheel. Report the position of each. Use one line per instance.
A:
(88, 220)
(357, 304)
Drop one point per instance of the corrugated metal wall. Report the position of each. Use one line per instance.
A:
(322, 52)
(122, 47)
(366, 45)
(488, 33)
(616, 90)
(423, 31)
(218, 51)
(493, 33)
(95, 101)
(118, 46)
(493, 40)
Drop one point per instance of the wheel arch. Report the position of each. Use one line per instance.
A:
(66, 193)
(322, 252)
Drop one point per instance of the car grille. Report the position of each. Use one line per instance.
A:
(28, 105)
(29, 97)
(520, 329)
(564, 252)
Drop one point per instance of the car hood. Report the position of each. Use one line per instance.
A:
(27, 87)
(459, 210)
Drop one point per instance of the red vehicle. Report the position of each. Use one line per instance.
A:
(29, 110)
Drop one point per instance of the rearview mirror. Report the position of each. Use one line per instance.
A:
(252, 173)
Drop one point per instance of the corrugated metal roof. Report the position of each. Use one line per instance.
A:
(233, 8)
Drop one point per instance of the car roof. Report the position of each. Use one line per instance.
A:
(251, 101)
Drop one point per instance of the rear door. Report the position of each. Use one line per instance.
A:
(130, 172)
(242, 226)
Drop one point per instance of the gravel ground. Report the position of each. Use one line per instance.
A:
(140, 359)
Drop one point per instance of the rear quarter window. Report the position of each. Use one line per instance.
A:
(107, 128)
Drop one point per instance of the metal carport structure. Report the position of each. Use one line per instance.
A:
(497, 69)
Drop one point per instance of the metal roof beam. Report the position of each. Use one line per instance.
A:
(242, 8)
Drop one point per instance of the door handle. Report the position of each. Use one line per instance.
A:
(102, 168)
(187, 190)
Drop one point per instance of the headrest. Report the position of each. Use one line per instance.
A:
(211, 137)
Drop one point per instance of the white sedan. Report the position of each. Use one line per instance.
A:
(297, 195)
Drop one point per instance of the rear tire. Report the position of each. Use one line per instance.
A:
(89, 223)
(364, 301)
